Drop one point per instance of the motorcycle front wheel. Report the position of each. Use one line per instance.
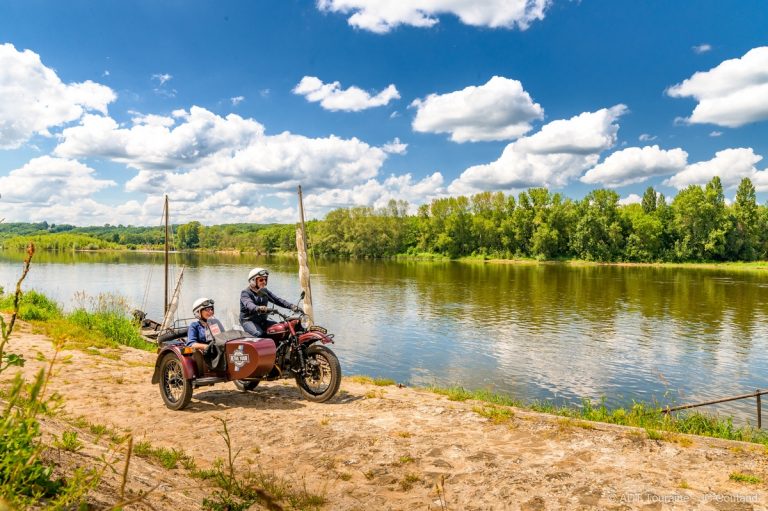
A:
(323, 375)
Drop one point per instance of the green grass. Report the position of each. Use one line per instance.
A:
(744, 478)
(368, 380)
(33, 306)
(169, 458)
(494, 413)
(641, 415)
(99, 322)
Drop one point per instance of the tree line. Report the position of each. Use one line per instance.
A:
(697, 225)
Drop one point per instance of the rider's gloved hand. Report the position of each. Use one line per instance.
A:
(295, 308)
(262, 309)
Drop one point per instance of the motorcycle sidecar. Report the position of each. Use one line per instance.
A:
(180, 369)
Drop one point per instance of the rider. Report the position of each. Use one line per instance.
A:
(254, 300)
(198, 335)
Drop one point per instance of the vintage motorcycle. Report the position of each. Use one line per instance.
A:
(292, 348)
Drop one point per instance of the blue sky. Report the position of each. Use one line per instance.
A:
(227, 106)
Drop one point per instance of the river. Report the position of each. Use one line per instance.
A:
(538, 331)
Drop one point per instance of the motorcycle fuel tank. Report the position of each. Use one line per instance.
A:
(278, 332)
(250, 358)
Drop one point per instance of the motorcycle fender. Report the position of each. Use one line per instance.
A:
(310, 337)
(250, 358)
(187, 363)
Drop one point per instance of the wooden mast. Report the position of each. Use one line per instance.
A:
(301, 248)
(165, 296)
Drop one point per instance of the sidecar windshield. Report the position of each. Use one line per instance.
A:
(231, 335)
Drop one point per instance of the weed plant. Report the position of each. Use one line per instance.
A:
(25, 480)
(68, 442)
(241, 488)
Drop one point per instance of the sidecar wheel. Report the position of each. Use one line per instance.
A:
(246, 385)
(175, 389)
(324, 375)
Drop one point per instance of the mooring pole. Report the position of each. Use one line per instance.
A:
(759, 410)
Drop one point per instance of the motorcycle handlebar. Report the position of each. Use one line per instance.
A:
(286, 317)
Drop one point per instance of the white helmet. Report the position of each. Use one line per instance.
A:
(257, 272)
(200, 304)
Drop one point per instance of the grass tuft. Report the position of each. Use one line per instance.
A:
(740, 477)
(369, 380)
(68, 442)
(494, 413)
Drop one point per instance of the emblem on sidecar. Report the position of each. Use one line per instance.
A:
(239, 358)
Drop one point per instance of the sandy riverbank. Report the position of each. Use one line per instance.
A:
(386, 447)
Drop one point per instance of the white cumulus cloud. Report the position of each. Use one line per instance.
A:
(33, 99)
(377, 193)
(498, 110)
(197, 154)
(381, 16)
(730, 165)
(632, 198)
(635, 165)
(552, 157)
(395, 147)
(332, 97)
(731, 94)
(46, 180)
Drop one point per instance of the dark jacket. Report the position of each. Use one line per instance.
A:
(250, 303)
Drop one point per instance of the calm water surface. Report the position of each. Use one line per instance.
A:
(532, 331)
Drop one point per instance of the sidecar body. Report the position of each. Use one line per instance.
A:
(237, 356)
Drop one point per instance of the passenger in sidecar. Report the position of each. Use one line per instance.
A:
(209, 355)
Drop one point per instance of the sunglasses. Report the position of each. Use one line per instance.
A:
(207, 309)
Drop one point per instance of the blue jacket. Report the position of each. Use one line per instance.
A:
(197, 333)
(250, 303)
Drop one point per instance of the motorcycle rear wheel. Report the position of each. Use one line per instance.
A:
(245, 385)
(175, 389)
(324, 378)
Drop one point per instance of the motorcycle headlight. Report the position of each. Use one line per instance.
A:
(304, 321)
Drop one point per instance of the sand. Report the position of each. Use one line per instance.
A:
(391, 448)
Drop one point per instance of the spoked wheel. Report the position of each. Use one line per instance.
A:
(175, 389)
(246, 385)
(323, 375)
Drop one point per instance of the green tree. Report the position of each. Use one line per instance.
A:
(645, 237)
(690, 227)
(716, 220)
(649, 200)
(188, 235)
(744, 240)
(599, 234)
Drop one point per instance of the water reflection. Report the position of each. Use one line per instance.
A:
(535, 331)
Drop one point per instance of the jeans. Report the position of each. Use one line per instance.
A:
(257, 329)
